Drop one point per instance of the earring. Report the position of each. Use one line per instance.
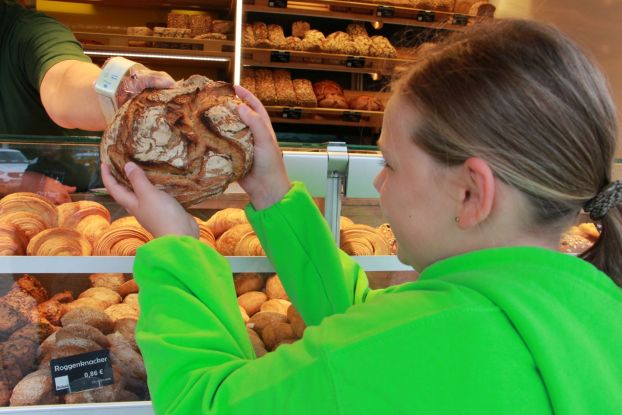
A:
(457, 219)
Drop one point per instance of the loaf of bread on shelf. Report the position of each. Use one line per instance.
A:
(293, 43)
(12, 240)
(362, 45)
(483, 9)
(284, 87)
(359, 239)
(200, 24)
(299, 28)
(381, 47)
(247, 80)
(312, 41)
(339, 42)
(326, 87)
(356, 29)
(178, 20)
(211, 36)
(305, 97)
(366, 103)
(333, 101)
(276, 36)
(260, 30)
(139, 31)
(222, 26)
(189, 139)
(59, 242)
(264, 85)
(463, 6)
(248, 36)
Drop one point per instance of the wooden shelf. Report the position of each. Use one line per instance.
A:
(369, 12)
(319, 61)
(172, 4)
(216, 52)
(325, 116)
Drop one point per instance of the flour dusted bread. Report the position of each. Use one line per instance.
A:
(189, 139)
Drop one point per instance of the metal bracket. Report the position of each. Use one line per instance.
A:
(336, 173)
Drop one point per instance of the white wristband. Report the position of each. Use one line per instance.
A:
(108, 82)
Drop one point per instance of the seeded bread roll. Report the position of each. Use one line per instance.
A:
(189, 139)
(305, 97)
(299, 28)
(276, 36)
(312, 41)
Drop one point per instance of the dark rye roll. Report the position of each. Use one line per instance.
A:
(189, 139)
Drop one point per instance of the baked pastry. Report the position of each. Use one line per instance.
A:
(12, 240)
(344, 222)
(222, 26)
(52, 311)
(365, 103)
(248, 36)
(381, 47)
(108, 280)
(326, 87)
(357, 29)
(88, 302)
(249, 245)
(225, 219)
(312, 41)
(359, 239)
(33, 287)
(29, 202)
(463, 6)
(264, 85)
(127, 288)
(299, 28)
(119, 311)
(305, 97)
(483, 9)
(89, 316)
(333, 101)
(121, 241)
(284, 87)
(132, 301)
(247, 80)
(200, 24)
(227, 242)
(276, 35)
(83, 331)
(34, 389)
(338, 42)
(178, 20)
(138, 31)
(189, 139)
(70, 214)
(362, 45)
(205, 233)
(28, 223)
(59, 242)
(387, 232)
(293, 43)
(104, 294)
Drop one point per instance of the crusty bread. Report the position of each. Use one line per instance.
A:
(189, 139)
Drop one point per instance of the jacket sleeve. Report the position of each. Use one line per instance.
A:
(320, 279)
(198, 355)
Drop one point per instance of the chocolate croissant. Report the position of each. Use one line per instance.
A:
(189, 139)
(361, 239)
(59, 242)
(12, 240)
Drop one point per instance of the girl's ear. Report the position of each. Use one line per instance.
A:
(477, 193)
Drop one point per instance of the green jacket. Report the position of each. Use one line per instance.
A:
(500, 331)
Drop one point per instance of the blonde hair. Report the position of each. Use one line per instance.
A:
(526, 99)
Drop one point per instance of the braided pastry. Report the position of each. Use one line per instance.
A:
(188, 139)
(361, 239)
(30, 202)
(59, 242)
(12, 240)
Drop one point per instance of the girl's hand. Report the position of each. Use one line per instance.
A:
(158, 212)
(267, 182)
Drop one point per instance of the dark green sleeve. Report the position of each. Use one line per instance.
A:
(43, 43)
(320, 279)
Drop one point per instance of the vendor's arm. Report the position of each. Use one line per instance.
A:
(68, 95)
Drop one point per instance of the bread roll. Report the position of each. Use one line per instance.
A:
(222, 26)
(333, 101)
(365, 103)
(59, 242)
(107, 295)
(89, 316)
(82, 331)
(312, 41)
(276, 36)
(299, 28)
(108, 280)
(326, 87)
(127, 288)
(189, 139)
(119, 311)
(35, 389)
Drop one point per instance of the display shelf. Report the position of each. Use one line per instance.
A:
(320, 61)
(116, 408)
(112, 264)
(185, 4)
(375, 13)
(325, 116)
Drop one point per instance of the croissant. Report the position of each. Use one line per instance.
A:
(228, 241)
(30, 223)
(121, 241)
(361, 239)
(344, 222)
(92, 226)
(205, 233)
(70, 214)
(249, 245)
(30, 202)
(59, 242)
(387, 232)
(225, 219)
(12, 240)
(189, 139)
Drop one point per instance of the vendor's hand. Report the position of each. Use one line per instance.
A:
(46, 186)
(138, 78)
(157, 211)
(267, 182)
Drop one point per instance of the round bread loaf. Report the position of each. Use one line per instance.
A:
(189, 139)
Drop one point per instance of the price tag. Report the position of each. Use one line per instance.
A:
(426, 16)
(460, 19)
(291, 113)
(81, 372)
(351, 116)
(277, 3)
(385, 11)
(279, 56)
(355, 62)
